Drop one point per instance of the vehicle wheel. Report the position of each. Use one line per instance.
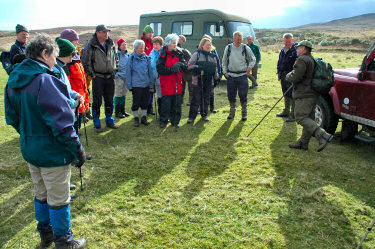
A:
(325, 116)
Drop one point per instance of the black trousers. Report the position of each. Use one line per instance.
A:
(171, 108)
(197, 101)
(140, 98)
(103, 88)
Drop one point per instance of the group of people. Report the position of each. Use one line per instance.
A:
(50, 80)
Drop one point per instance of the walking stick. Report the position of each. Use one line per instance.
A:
(368, 230)
(270, 110)
(80, 176)
(155, 100)
(202, 112)
(175, 113)
(84, 126)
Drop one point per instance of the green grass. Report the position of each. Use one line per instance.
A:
(207, 185)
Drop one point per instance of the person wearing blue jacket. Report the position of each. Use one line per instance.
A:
(66, 50)
(157, 42)
(139, 80)
(120, 80)
(37, 106)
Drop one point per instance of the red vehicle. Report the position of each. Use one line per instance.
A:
(352, 99)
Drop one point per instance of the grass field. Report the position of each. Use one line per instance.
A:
(207, 185)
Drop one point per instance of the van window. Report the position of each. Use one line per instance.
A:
(210, 29)
(182, 28)
(245, 28)
(156, 26)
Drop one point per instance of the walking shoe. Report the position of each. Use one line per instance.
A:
(98, 129)
(205, 118)
(112, 126)
(72, 186)
(73, 244)
(144, 121)
(46, 236)
(324, 140)
(190, 121)
(289, 119)
(213, 111)
(283, 114)
(163, 125)
(119, 115)
(299, 145)
(244, 118)
(232, 111)
(136, 122)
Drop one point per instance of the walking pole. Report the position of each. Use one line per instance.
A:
(155, 100)
(202, 112)
(175, 116)
(84, 126)
(270, 110)
(368, 230)
(80, 176)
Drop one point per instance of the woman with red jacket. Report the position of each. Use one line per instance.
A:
(76, 75)
(170, 65)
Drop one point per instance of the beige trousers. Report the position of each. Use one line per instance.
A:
(51, 184)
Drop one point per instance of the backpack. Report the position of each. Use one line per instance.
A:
(323, 78)
(244, 53)
(5, 61)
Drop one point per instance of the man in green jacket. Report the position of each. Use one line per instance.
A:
(254, 71)
(306, 98)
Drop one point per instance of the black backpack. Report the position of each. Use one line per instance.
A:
(5, 61)
(323, 78)
(244, 53)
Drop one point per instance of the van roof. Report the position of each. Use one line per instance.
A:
(219, 13)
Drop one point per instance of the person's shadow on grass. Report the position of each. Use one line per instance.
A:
(315, 188)
(212, 158)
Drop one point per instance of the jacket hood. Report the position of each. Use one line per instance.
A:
(25, 72)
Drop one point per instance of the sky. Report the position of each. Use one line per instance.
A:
(40, 14)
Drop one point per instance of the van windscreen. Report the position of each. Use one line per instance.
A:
(245, 28)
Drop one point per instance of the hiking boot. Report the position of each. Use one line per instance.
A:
(323, 140)
(285, 113)
(112, 126)
(136, 122)
(150, 110)
(72, 186)
(144, 121)
(190, 121)
(232, 111)
(163, 125)
(118, 113)
(299, 145)
(244, 111)
(98, 129)
(46, 236)
(213, 111)
(72, 197)
(73, 244)
(123, 112)
(205, 118)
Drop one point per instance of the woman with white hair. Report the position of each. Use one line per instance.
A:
(170, 65)
(139, 80)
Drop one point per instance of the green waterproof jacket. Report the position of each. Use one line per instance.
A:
(37, 106)
(301, 76)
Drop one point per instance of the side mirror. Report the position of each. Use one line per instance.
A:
(361, 76)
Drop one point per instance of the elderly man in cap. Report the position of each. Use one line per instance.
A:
(306, 98)
(18, 49)
(102, 65)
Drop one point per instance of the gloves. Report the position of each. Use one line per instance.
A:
(81, 158)
(197, 70)
(176, 67)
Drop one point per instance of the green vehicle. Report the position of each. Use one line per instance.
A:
(195, 23)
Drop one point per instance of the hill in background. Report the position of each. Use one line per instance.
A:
(355, 33)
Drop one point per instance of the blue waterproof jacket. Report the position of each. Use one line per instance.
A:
(64, 78)
(139, 71)
(154, 55)
(123, 57)
(37, 106)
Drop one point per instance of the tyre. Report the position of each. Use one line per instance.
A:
(325, 117)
